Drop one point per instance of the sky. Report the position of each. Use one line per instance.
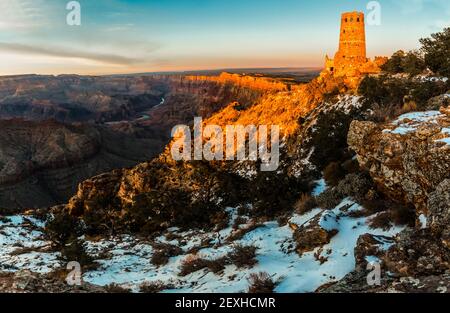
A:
(134, 36)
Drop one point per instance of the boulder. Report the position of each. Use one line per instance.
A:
(408, 159)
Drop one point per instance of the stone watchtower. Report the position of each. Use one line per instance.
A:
(352, 43)
(351, 55)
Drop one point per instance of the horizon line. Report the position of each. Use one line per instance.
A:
(173, 72)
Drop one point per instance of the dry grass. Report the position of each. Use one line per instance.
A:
(154, 287)
(114, 288)
(163, 252)
(305, 204)
(261, 283)
(243, 256)
(193, 263)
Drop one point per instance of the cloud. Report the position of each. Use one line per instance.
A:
(68, 53)
(23, 14)
(415, 6)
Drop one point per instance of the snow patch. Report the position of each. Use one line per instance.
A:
(423, 221)
(125, 260)
(320, 187)
(410, 122)
(22, 246)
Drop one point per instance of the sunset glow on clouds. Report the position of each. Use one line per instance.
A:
(118, 36)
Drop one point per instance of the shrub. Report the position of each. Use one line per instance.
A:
(283, 219)
(114, 288)
(241, 232)
(402, 215)
(154, 287)
(329, 199)
(381, 221)
(390, 97)
(150, 211)
(376, 203)
(75, 250)
(436, 51)
(411, 62)
(238, 222)
(159, 258)
(356, 186)
(261, 283)
(193, 263)
(351, 166)
(383, 113)
(333, 173)
(330, 137)
(424, 91)
(221, 220)
(243, 256)
(163, 252)
(274, 193)
(305, 204)
(63, 227)
(397, 214)
(217, 265)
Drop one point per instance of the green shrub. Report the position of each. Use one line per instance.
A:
(389, 97)
(411, 63)
(436, 50)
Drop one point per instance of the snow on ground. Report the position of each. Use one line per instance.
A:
(426, 78)
(130, 265)
(347, 103)
(423, 221)
(445, 131)
(320, 187)
(410, 122)
(22, 246)
(125, 260)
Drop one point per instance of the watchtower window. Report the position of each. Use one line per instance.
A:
(357, 19)
(346, 20)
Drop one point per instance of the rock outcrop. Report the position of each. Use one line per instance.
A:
(409, 158)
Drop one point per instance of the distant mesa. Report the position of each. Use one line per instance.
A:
(351, 59)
